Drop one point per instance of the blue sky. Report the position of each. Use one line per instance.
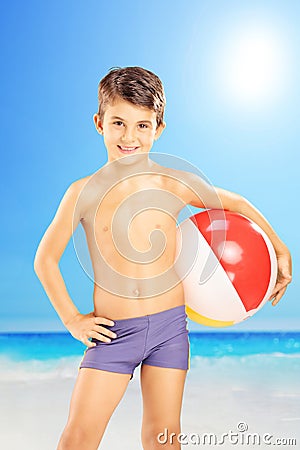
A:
(230, 71)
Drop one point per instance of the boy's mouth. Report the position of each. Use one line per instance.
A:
(124, 149)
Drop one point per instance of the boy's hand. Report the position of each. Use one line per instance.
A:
(85, 326)
(284, 275)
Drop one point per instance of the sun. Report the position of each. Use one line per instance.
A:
(252, 66)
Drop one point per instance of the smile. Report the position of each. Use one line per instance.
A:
(127, 149)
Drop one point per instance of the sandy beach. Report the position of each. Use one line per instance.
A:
(218, 398)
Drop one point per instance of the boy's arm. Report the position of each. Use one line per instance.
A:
(202, 195)
(49, 252)
(51, 249)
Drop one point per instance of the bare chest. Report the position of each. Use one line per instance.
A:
(137, 215)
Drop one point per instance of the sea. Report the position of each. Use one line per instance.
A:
(253, 355)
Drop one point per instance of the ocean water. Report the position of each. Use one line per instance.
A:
(258, 360)
(251, 356)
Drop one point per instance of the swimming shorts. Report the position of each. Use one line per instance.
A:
(159, 339)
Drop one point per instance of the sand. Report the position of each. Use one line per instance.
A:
(34, 412)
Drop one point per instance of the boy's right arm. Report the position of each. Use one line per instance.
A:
(46, 266)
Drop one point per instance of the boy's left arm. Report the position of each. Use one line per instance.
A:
(199, 193)
(237, 203)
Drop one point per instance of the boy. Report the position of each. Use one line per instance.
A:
(128, 209)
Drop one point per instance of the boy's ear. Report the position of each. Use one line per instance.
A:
(98, 123)
(159, 130)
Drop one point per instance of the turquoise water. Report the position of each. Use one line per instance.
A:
(241, 344)
(27, 356)
(42, 346)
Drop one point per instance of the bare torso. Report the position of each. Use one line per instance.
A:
(130, 227)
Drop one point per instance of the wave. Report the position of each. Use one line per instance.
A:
(279, 364)
(264, 370)
(38, 370)
(44, 346)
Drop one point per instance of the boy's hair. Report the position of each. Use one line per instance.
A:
(135, 85)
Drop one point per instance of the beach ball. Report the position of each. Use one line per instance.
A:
(227, 264)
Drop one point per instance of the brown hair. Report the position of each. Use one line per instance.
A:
(135, 85)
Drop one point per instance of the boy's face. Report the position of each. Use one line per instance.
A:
(127, 129)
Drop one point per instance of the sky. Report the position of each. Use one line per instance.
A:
(231, 76)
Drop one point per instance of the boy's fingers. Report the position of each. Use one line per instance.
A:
(103, 321)
(279, 285)
(100, 336)
(95, 335)
(275, 291)
(274, 294)
(278, 296)
(105, 331)
(88, 343)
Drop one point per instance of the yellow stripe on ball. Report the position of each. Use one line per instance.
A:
(193, 315)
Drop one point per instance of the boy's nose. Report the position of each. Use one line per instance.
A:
(128, 137)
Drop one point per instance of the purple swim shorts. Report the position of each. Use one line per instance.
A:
(159, 339)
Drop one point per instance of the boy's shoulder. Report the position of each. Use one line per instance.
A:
(179, 176)
(95, 182)
(79, 183)
(170, 171)
(74, 188)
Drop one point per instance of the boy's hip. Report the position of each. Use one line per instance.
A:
(157, 327)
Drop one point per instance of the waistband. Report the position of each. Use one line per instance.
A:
(180, 309)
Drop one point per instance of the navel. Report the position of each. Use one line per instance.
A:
(105, 228)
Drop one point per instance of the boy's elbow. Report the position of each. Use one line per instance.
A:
(41, 263)
(239, 202)
(38, 264)
(231, 200)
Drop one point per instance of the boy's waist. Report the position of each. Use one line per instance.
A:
(114, 306)
(138, 288)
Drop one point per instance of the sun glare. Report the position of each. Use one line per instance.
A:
(252, 66)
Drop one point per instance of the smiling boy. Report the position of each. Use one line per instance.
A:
(128, 209)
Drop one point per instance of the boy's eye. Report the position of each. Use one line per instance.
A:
(119, 122)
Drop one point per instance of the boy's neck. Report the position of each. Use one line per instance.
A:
(131, 164)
